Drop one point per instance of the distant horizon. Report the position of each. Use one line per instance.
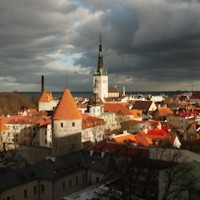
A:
(92, 91)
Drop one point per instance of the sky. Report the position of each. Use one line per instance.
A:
(149, 45)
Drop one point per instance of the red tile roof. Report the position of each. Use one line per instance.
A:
(140, 139)
(143, 140)
(164, 111)
(187, 113)
(195, 95)
(67, 108)
(121, 149)
(19, 119)
(90, 121)
(46, 97)
(118, 108)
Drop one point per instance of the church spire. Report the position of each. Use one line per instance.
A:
(100, 68)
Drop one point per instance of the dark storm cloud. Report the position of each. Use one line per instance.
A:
(147, 45)
(158, 41)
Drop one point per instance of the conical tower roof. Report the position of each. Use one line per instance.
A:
(67, 108)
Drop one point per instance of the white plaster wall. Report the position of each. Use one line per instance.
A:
(67, 128)
(48, 106)
(46, 136)
(153, 107)
(102, 85)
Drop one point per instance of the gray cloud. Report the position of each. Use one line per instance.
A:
(151, 45)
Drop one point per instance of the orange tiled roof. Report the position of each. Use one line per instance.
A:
(117, 108)
(164, 111)
(19, 119)
(3, 127)
(143, 140)
(90, 121)
(136, 113)
(125, 138)
(46, 97)
(67, 108)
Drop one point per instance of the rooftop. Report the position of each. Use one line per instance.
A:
(67, 108)
(46, 97)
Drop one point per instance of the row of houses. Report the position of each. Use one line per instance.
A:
(55, 178)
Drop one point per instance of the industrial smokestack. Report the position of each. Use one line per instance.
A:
(42, 83)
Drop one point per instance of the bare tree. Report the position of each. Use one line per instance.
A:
(176, 181)
(98, 130)
(165, 177)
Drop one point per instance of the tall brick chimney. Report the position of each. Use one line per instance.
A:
(42, 83)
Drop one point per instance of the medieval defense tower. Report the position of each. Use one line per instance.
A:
(67, 126)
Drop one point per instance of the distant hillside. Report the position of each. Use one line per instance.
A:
(11, 103)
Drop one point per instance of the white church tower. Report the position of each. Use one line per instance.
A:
(100, 78)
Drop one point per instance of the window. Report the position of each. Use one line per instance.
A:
(42, 189)
(8, 198)
(73, 124)
(63, 186)
(61, 124)
(25, 194)
(35, 189)
(45, 141)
